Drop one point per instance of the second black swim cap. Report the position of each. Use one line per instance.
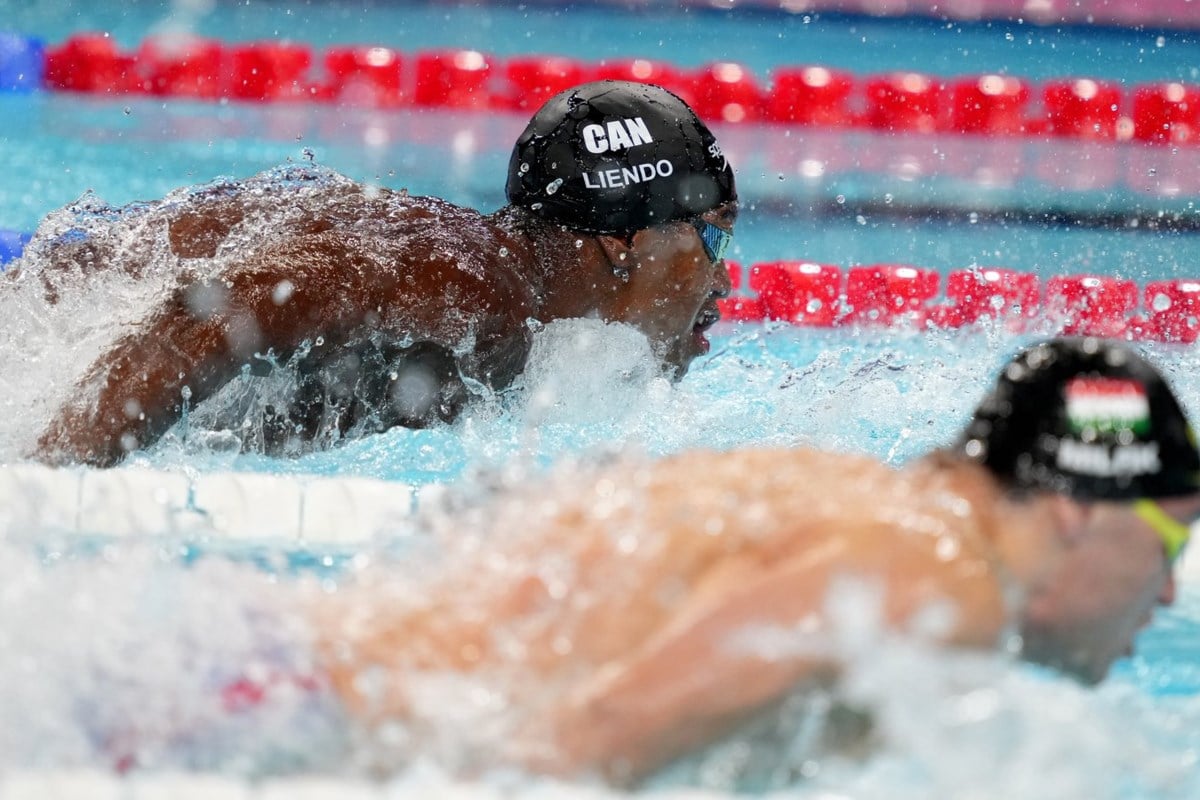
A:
(1087, 418)
(617, 157)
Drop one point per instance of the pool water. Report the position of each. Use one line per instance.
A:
(158, 622)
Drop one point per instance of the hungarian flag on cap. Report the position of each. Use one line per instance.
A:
(1107, 405)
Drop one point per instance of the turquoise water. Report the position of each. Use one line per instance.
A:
(592, 390)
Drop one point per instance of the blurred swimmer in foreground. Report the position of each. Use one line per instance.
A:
(396, 309)
(606, 612)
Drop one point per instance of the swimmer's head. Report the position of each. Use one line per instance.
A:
(1087, 418)
(613, 157)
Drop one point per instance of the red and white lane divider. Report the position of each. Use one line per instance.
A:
(826, 296)
(381, 77)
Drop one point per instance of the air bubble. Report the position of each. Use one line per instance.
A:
(552, 187)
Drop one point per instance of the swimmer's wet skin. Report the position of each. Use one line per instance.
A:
(621, 208)
(1008, 532)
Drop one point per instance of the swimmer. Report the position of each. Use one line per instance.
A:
(397, 309)
(601, 610)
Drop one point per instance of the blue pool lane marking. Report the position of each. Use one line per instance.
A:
(11, 245)
(22, 62)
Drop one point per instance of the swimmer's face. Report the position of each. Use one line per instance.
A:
(673, 286)
(1113, 573)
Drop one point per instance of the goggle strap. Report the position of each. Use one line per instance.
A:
(1174, 534)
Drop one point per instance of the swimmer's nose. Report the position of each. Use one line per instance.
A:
(1167, 596)
(722, 284)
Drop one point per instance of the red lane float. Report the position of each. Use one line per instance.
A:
(1168, 113)
(815, 295)
(532, 80)
(989, 104)
(452, 79)
(811, 96)
(182, 67)
(270, 71)
(1083, 108)
(907, 102)
(987, 293)
(643, 71)
(800, 292)
(364, 76)
(888, 293)
(90, 63)
(727, 92)
(1091, 305)
(1174, 311)
(904, 101)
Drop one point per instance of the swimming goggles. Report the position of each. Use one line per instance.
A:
(715, 239)
(1174, 534)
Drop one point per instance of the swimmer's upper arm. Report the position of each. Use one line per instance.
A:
(133, 393)
(696, 679)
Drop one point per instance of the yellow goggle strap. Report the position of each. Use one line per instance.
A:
(1174, 534)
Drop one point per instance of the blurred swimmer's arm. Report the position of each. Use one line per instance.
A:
(701, 676)
(756, 631)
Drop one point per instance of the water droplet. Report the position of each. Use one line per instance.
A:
(578, 243)
(283, 292)
(524, 167)
(1160, 302)
(504, 252)
(128, 111)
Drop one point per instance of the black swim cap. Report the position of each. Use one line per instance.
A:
(1087, 418)
(617, 157)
